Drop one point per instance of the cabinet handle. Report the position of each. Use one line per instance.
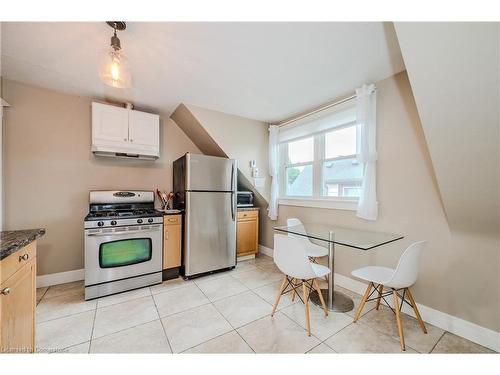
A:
(125, 139)
(131, 140)
(24, 257)
(6, 291)
(166, 234)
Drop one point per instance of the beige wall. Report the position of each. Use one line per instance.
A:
(241, 138)
(459, 272)
(455, 86)
(49, 169)
(221, 134)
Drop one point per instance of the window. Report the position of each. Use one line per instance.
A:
(342, 173)
(299, 168)
(322, 166)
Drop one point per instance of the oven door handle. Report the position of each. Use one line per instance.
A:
(120, 233)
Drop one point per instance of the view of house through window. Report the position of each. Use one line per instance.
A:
(323, 165)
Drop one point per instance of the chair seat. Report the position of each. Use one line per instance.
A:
(320, 270)
(375, 274)
(316, 251)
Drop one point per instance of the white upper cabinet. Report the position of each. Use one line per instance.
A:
(109, 123)
(123, 132)
(143, 128)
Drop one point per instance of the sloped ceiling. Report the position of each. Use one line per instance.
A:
(454, 73)
(262, 71)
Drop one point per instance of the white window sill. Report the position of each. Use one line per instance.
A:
(332, 204)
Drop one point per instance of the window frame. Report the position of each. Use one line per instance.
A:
(318, 199)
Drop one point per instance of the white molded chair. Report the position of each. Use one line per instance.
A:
(398, 279)
(291, 258)
(313, 251)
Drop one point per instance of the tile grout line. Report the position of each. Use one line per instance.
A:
(92, 330)
(43, 295)
(216, 309)
(437, 342)
(162, 325)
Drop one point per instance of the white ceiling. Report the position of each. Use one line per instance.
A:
(264, 71)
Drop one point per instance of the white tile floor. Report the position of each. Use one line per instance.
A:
(222, 313)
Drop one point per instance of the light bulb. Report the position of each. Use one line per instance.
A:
(114, 70)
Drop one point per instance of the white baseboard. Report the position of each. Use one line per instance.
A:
(59, 278)
(266, 251)
(458, 326)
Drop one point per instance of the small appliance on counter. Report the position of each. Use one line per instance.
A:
(244, 199)
(123, 242)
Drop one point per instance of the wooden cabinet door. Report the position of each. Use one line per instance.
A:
(109, 123)
(172, 238)
(17, 311)
(247, 236)
(144, 129)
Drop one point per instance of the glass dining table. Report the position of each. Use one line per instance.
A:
(353, 238)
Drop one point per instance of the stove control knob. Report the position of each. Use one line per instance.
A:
(150, 220)
(139, 221)
(100, 223)
(113, 222)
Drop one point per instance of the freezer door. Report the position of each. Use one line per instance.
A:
(210, 234)
(210, 173)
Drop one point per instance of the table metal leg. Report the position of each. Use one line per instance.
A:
(335, 301)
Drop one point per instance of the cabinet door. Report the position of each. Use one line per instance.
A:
(247, 232)
(109, 123)
(172, 236)
(17, 311)
(144, 129)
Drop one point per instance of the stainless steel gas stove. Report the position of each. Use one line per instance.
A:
(123, 242)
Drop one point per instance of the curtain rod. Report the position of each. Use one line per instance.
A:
(302, 115)
(314, 111)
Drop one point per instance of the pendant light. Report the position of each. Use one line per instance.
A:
(114, 69)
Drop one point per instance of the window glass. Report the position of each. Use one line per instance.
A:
(342, 178)
(301, 151)
(299, 181)
(341, 142)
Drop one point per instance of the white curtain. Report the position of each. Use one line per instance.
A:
(366, 118)
(273, 171)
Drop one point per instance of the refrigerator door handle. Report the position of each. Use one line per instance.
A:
(232, 191)
(232, 205)
(232, 176)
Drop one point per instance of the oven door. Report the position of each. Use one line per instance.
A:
(121, 252)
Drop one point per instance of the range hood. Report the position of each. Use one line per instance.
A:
(125, 155)
(124, 132)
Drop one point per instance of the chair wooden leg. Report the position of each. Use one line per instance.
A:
(282, 288)
(306, 306)
(380, 291)
(316, 286)
(293, 290)
(398, 319)
(362, 304)
(417, 313)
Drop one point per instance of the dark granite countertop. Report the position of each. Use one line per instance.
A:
(13, 240)
(248, 209)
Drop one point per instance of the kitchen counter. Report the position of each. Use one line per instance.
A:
(241, 209)
(13, 240)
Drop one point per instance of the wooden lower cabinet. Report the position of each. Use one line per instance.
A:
(18, 304)
(247, 233)
(172, 241)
